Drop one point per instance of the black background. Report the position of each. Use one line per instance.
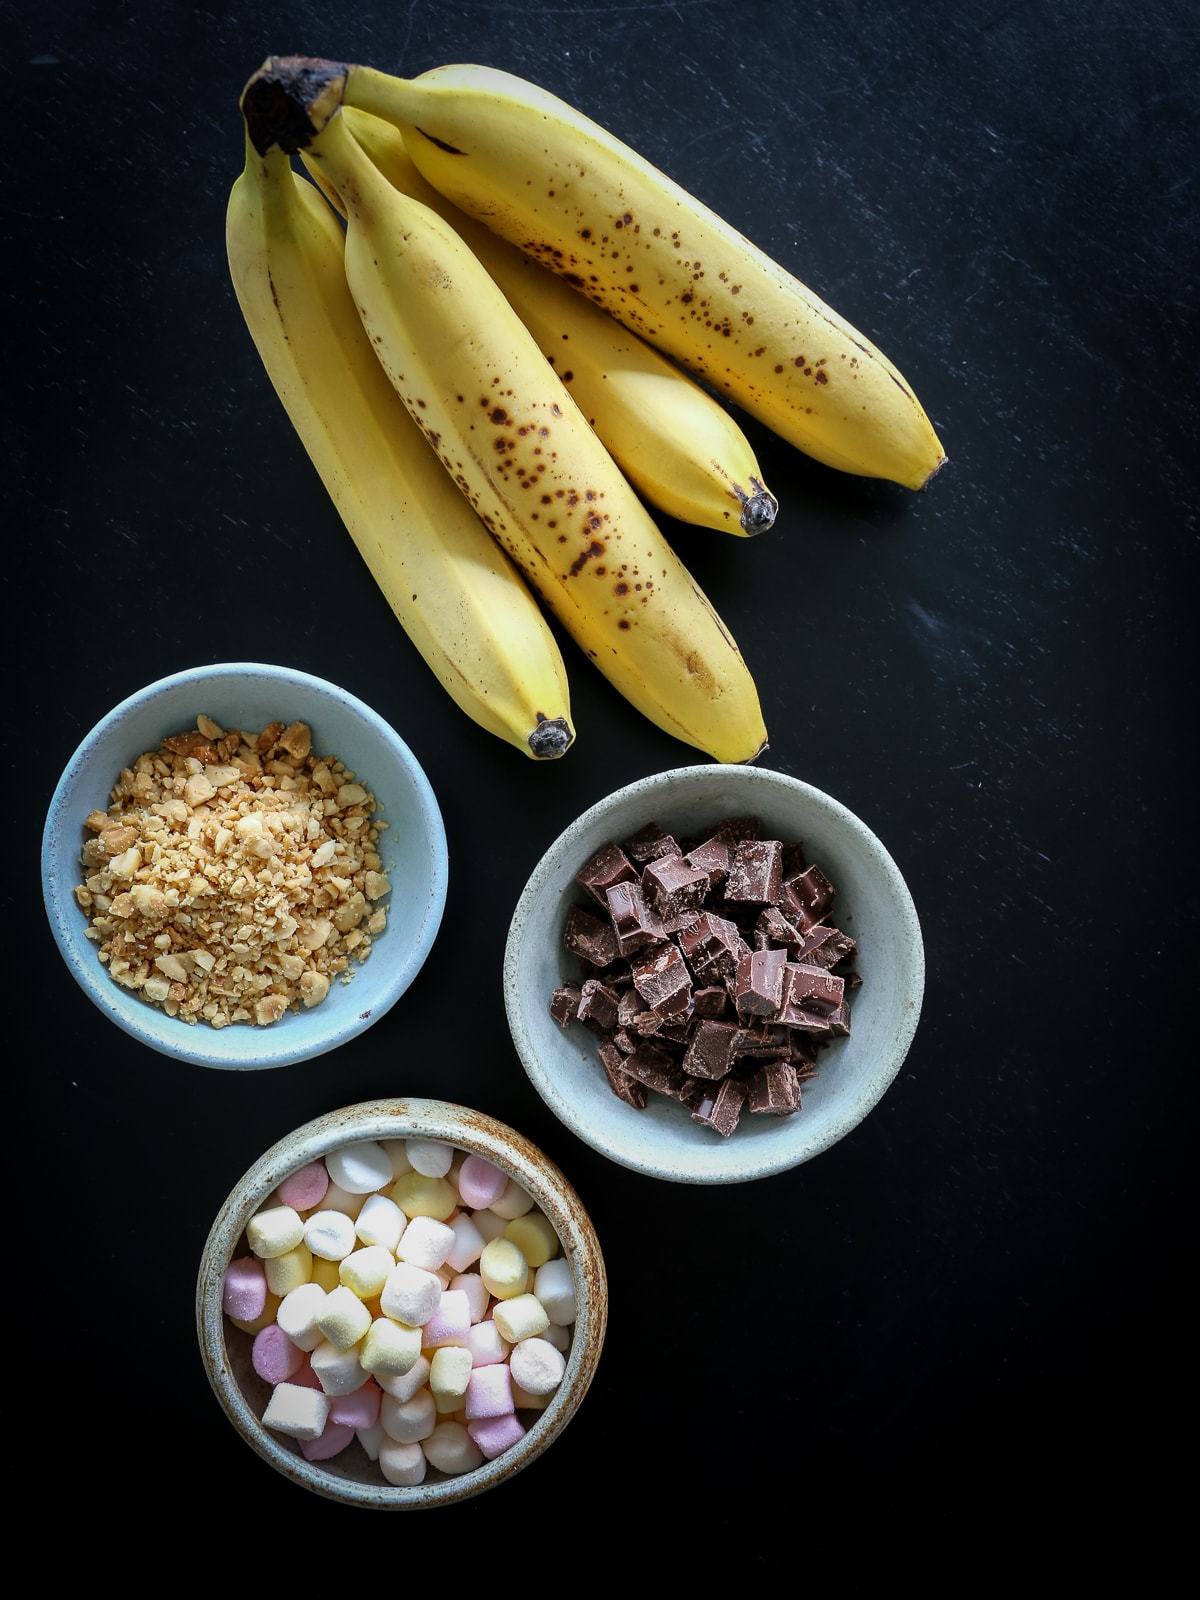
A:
(971, 1302)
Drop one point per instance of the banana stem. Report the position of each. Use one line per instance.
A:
(290, 99)
(758, 510)
(551, 738)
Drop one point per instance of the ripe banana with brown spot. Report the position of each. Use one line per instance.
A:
(514, 440)
(456, 595)
(680, 449)
(566, 191)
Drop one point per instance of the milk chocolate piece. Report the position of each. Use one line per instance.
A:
(597, 1006)
(758, 986)
(711, 1051)
(663, 981)
(673, 888)
(755, 873)
(712, 1001)
(692, 1093)
(634, 924)
(765, 1040)
(624, 1086)
(711, 857)
(654, 1068)
(609, 865)
(629, 1007)
(735, 829)
(774, 928)
(809, 894)
(774, 1090)
(814, 989)
(812, 943)
(806, 1023)
(713, 947)
(564, 1003)
(649, 843)
(588, 938)
(678, 1028)
(721, 1109)
(625, 1042)
(839, 1021)
(830, 952)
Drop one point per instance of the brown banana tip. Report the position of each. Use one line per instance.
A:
(934, 473)
(552, 738)
(761, 751)
(759, 512)
(290, 99)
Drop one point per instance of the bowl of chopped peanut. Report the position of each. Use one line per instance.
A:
(244, 866)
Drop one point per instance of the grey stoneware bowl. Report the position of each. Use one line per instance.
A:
(351, 1477)
(873, 904)
(249, 695)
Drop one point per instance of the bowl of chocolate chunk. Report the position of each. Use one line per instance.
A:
(243, 866)
(714, 974)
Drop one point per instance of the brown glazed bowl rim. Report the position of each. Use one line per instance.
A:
(404, 1119)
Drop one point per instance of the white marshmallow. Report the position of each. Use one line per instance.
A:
(559, 1337)
(397, 1155)
(370, 1439)
(410, 1295)
(489, 1224)
(330, 1235)
(273, 1233)
(476, 1291)
(450, 1372)
(451, 1449)
(513, 1203)
(409, 1421)
(359, 1168)
(402, 1464)
(468, 1243)
(407, 1385)
(426, 1243)
(297, 1315)
(390, 1348)
(299, 1412)
(380, 1222)
(338, 1200)
(555, 1288)
(428, 1157)
(338, 1371)
(343, 1319)
(522, 1317)
(537, 1367)
(364, 1272)
(486, 1346)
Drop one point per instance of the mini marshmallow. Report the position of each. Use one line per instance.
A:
(494, 1435)
(338, 1371)
(533, 1237)
(371, 1438)
(401, 1464)
(476, 1292)
(428, 1157)
(300, 1413)
(468, 1243)
(489, 1393)
(450, 1323)
(451, 1449)
(358, 1410)
(555, 1288)
(409, 1421)
(338, 1200)
(274, 1357)
(503, 1269)
(514, 1202)
(426, 1243)
(560, 1338)
(524, 1401)
(244, 1290)
(298, 1313)
(306, 1377)
(390, 1349)
(335, 1438)
(288, 1272)
(365, 1271)
(305, 1189)
(408, 1384)
(419, 1196)
(450, 1372)
(397, 1155)
(263, 1320)
(380, 1221)
(410, 1295)
(274, 1232)
(489, 1224)
(479, 1183)
(360, 1168)
(330, 1235)
(537, 1367)
(522, 1317)
(343, 1319)
(325, 1273)
(486, 1345)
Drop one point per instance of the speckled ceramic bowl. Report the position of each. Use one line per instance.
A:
(248, 695)
(873, 905)
(351, 1477)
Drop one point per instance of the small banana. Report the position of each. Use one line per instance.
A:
(514, 440)
(680, 449)
(456, 595)
(566, 191)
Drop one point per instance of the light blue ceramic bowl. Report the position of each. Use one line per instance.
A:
(249, 695)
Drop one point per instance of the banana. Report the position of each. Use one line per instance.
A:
(456, 595)
(562, 188)
(681, 450)
(514, 440)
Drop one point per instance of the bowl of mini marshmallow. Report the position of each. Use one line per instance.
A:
(401, 1304)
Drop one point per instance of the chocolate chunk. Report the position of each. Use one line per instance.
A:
(812, 943)
(677, 1029)
(758, 986)
(808, 896)
(807, 1023)
(609, 865)
(617, 976)
(597, 1006)
(674, 889)
(765, 1040)
(774, 928)
(711, 1002)
(588, 938)
(625, 1042)
(654, 1068)
(853, 980)
(814, 989)
(629, 1008)
(692, 1093)
(649, 843)
(713, 947)
(634, 924)
(721, 1110)
(624, 1086)
(755, 873)
(564, 1003)
(832, 952)
(711, 857)
(663, 981)
(711, 1051)
(774, 1090)
(804, 1052)
(839, 1021)
(736, 829)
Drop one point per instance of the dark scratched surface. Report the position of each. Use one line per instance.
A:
(963, 1303)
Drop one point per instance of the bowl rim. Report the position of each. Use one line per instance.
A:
(179, 1040)
(545, 874)
(401, 1118)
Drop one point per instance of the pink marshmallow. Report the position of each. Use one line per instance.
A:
(305, 1377)
(472, 1286)
(244, 1293)
(494, 1435)
(485, 1344)
(489, 1393)
(360, 1409)
(275, 1358)
(306, 1188)
(450, 1323)
(480, 1183)
(331, 1443)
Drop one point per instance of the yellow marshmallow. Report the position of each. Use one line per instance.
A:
(514, 1202)
(343, 1319)
(449, 1405)
(503, 1268)
(325, 1273)
(390, 1348)
(419, 1196)
(285, 1273)
(365, 1271)
(274, 1232)
(522, 1317)
(524, 1401)
(534, 1238)
(263, 1320)
(449, 1374)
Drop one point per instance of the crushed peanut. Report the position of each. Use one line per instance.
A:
(234, 874)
